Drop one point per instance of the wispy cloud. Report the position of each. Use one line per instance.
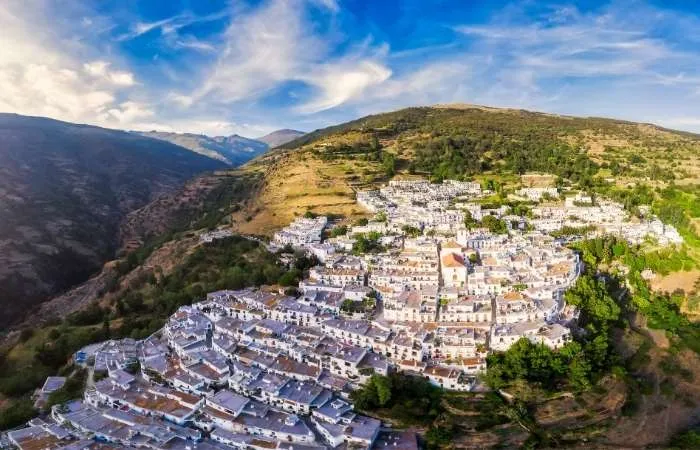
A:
(338, 83)
(170, 25)
(276, 44)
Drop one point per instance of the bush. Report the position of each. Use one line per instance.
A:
(72, 389)
(339, 231)
(410, 400)
(16, 413)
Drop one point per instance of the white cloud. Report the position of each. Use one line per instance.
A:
(122, 78)
(339, 83)
(170, 25)
(180, 99)
(192, 43)
(591, 46)
(608, 62)
(277, 43)
(603, 63)
(264, 48)
(331, 5)
(96, 68)
(128, 113)
(434, 82)
(41, 74)
(685, 123)
(100, 69)
(209, 127)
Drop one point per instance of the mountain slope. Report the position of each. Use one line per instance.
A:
(321, 170)
(64, 189)
(280, 137)
(233, 150)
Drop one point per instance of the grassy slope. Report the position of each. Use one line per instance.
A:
(300, 177)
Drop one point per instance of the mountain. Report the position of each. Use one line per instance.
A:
(64, 190)
(321, 170)
(280, 137)
(233, 150)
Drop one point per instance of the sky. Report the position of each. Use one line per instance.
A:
(220, 67)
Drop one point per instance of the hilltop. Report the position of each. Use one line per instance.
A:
(321, 170)
(280, 137)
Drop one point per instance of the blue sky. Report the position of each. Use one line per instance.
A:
(249, 67)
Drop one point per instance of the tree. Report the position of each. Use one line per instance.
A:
(469, 220)
(383, 386)
(290, 278)
(591, 295)
(374, 144)
(389, 164)
(411, 231)
(494, 224)
(361, 222)
(366, 244)
(339, 231)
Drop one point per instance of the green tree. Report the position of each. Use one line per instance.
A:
(389, 164)
(383, 386)
(494, 224)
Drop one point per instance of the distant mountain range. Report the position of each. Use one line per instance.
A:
(280, 137)
(64, 190)
(233, 150)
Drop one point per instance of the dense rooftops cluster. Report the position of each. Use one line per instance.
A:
(256, 368)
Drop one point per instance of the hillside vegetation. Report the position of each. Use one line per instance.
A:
(633, 163)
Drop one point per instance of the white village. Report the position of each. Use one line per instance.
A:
(415, 290)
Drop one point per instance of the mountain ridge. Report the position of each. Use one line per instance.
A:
(65, 188)
(280, 137)
(232, 150)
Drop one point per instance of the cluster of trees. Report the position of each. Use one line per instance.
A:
(688, 439)
(340, 230)
(411, 231)
(369, 149)
(367, 243)
(677, 205)
(364, 306)
(410, 400)
(537, 363)
(17, 413)
(494, 224)
(567, 230)
(601, 300)
(661, 310)
(72, 389)
(457, 154)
